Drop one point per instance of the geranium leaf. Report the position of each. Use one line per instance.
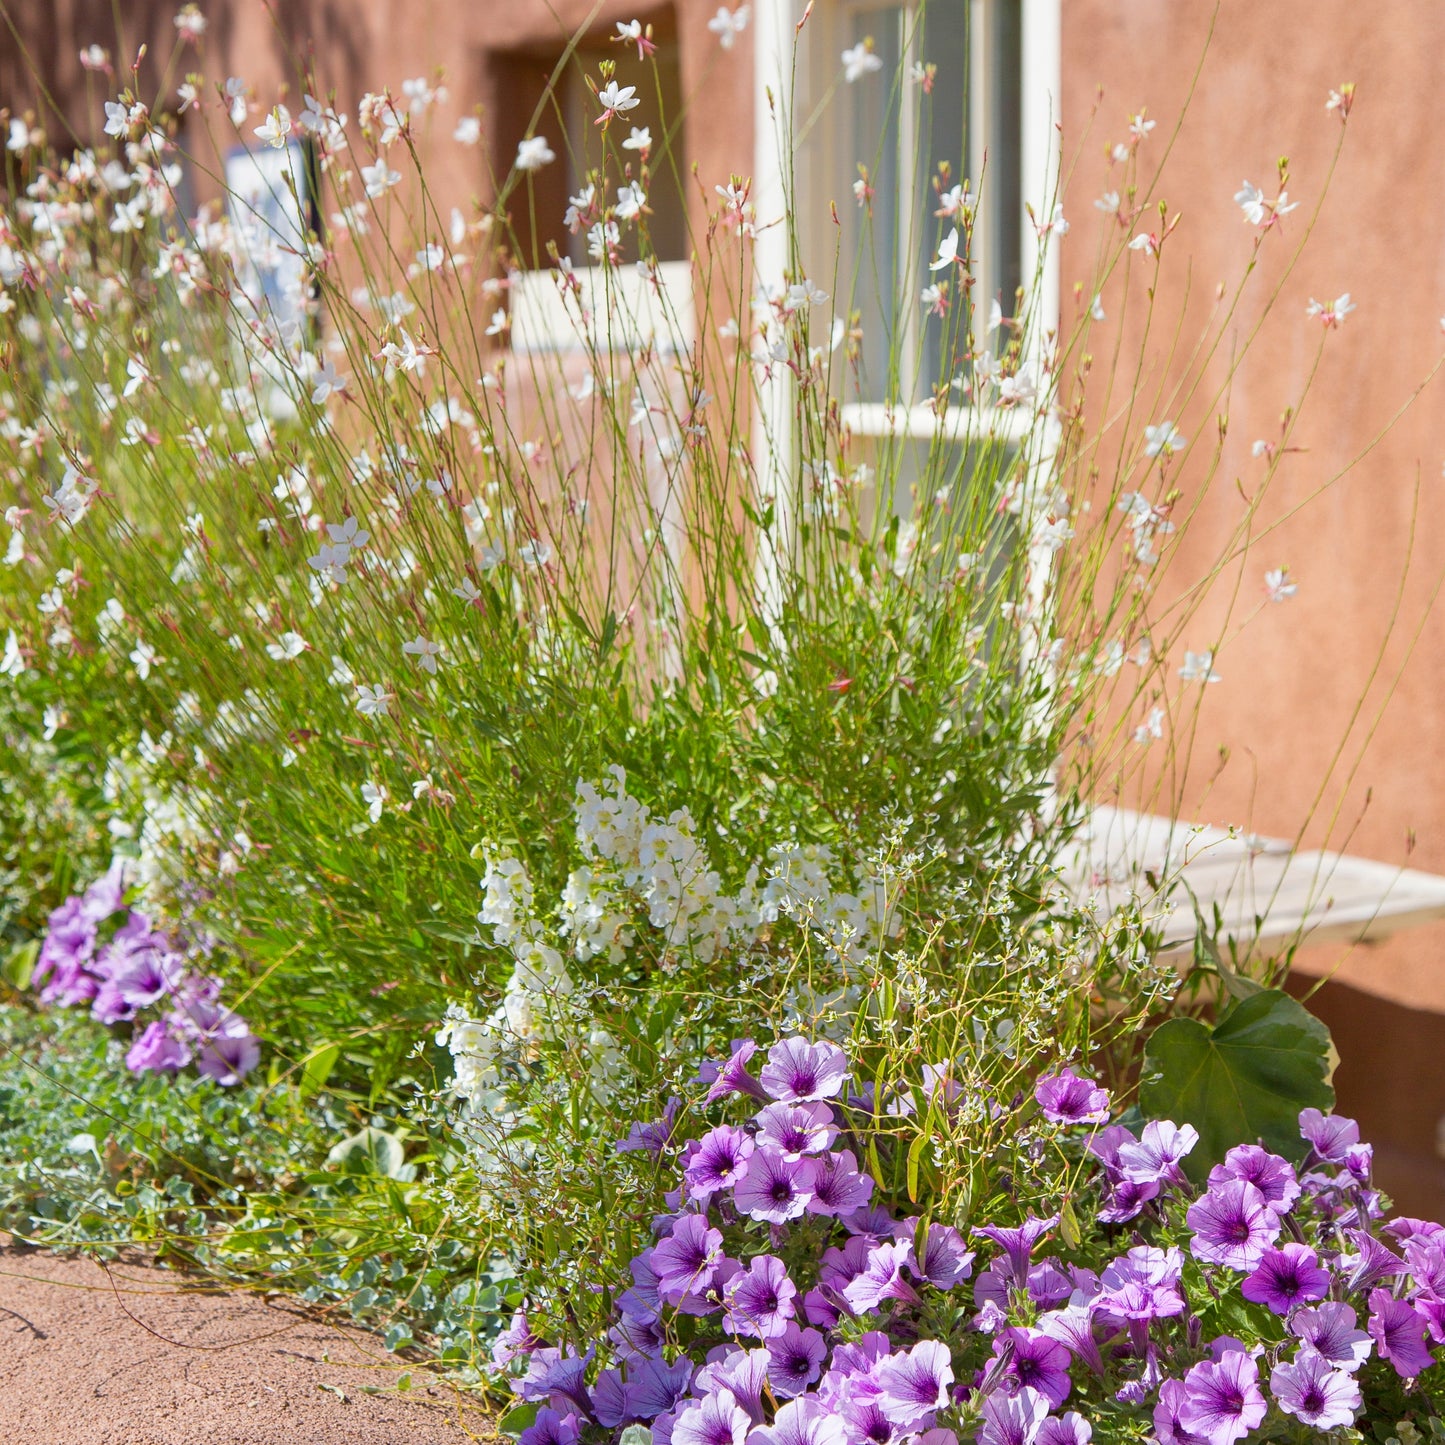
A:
(1243, 1081)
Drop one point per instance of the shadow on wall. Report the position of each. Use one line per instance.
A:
(1391, 1078)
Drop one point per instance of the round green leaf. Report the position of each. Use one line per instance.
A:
(1241, 1082)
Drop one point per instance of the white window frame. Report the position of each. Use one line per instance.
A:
(776, 33)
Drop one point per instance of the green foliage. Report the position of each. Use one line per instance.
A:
(1244, 1080)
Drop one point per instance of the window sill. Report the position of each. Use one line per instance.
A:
(966, 424)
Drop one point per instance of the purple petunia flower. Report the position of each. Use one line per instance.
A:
(796, 1357)
(654, 1387)
(1154, 1159)
(1017, 1245)
(1067, 1429)
(946, 1261)
(802, 1422)
(557, 1378)
(1065, 1098)
(838, 1187)
(796, 1129)
(1169, 1427)
(915, 1384)
(1272, 1176)
(863, 1416)
(551, 1428)
(1329, 1330)
(1330, 1135)
(1141, 1286)
(1313, 1391)
(686, 1261)
(744, 1373)
(880, 1279)
(719, 1161)
(732, 1077)
(774, 1189)
(1232, 1226)
(1373, 1263)
(1012, 1419)
(716, 1419)
(610, 1405)
(1286, 1277)
(652, 1136)
(517, 1339)
(1035, 1360)
(157, 1051)
(797, 1071)
(760, 1299)
(1399, 1334)
(1222, 1398)
(230, 1053)
(1073, 1327)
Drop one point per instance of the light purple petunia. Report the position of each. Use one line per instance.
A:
(1012, 1419)
(654, 1387)
(1035, 1360)
(802, 1422)
(1067, 1429)
(796, 1360)
(881, 1279)
(760, 1299)
(1373, 1263)
(1398, 1333)
(946, 1260)
(1272, 1176)
(557, 1378)
(1065, 1098)
(1313, 1391)
(1222, 1398)
(228, 1053)
(838, 1187)
(1286, 1277)
(686, 1261)
(651, 1136)
(796, 1129)
(774, 1189)
(744, 1373)
(157, 1051)
(552, 1428)
(1331, 1136)
(716, 1419)
(1330, 1330)
(1154, 1158)
(1169, 1427)
(1017, 1245)
(1232, 1226)
(915, 1384)
(719, 1161)
(1073, 1327)
(797, 1071)
(732, 1077)
(1142, 1285)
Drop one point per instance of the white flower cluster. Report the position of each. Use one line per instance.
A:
(646, 883)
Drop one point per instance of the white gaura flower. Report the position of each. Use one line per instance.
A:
(1199, 667)
(535, 552)
(286, 648)
(861, 60)
(430, 257)
(467, 591)
(615, 100)
(137, 375)
(374, 796)
(468, 131)
(277, 128)
(12, 660)
(947, 251)
(426, 653)
(1331, 313)
(639, 140)
(326, 382)
(145, 657)
(727, 24)
(1152, 727)
(372, 699)
(379, 178)
(630, 201)
(498, 324)
(1162, 440)
(534, 153)
(1279, 586)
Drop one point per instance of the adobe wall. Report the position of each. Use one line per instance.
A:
(1293, 676)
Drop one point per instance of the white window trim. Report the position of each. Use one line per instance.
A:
(775, 34)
